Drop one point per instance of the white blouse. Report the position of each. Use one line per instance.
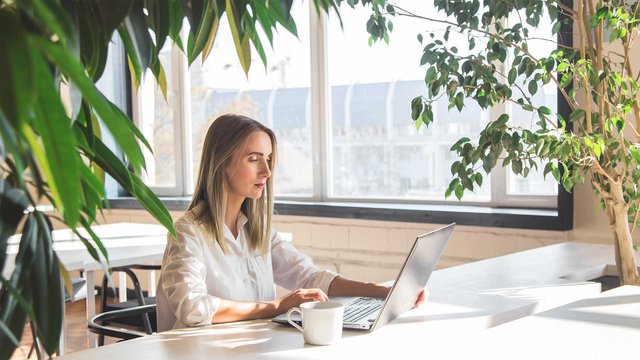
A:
(196, 274)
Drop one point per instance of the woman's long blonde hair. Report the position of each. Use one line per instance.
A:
(225, 137)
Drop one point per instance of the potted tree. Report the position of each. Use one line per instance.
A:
(597, 140)
(49, 151)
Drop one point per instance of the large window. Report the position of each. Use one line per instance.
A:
(341, 111)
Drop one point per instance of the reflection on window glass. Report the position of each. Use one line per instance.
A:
(375, 148)
(277, 96)
(158, 126)
(534, 183)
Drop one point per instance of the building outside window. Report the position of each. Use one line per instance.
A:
(341, 111)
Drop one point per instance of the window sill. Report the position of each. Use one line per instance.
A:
(538, 219)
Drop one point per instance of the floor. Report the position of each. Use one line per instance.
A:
(76, 314)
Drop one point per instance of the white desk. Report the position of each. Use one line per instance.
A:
(468, 306)
(126, 244)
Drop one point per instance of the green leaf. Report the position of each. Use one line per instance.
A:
(516, 166)
(556, 173)
(13, 202)
(204, 29)
(533, 87)
(416, 107)
(240, 40)
(135, 24)
(46, 284)
(458, 144)
(576, 115)
(130, 182)
(119, 125)
(545, 110)
(54, 127)
(513, 74)
(636, 155)
(159, 19)
(16, 70)
(10, 148)
(211, 40)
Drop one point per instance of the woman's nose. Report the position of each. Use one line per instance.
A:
(265, 170)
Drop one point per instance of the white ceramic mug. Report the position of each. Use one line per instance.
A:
(321, 321)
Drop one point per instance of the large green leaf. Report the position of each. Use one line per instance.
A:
(108, 161)
(112, 165)
(193, 10)
(176, 15)
(12, 312)
(17, 88)
(240, 40)
(202, 34)
(54, 127)
(52, 15)
(112, 14)
(13, 202)
(135, 24)
(93, 42)
(159, 20)
(46, 284)
(10, 145)
(120, 126)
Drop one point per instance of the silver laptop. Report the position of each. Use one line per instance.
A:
(369, 313)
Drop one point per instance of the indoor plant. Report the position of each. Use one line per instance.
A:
(49, 150)
(596, 140)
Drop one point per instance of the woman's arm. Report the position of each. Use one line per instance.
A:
(247, 310)
(341, 286)
(345, 287)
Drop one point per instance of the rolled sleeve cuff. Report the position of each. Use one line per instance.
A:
(203, 315)
(323, 280)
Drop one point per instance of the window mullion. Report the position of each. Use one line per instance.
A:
(182, 126)
(320, 98)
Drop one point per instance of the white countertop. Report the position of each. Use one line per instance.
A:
(479, 310)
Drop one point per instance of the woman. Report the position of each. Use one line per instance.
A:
(226, 258)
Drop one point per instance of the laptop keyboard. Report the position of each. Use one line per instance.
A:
(360, 308)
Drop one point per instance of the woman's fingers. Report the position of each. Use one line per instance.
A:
(312, 295)
(421, 298)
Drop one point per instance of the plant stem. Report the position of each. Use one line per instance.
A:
(585, 83)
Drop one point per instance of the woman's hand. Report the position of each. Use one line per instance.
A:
(422, 297)
(298, 297)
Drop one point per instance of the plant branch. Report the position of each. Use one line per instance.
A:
(585, 83)
(635, 219)
(627, 65)
(488, 33)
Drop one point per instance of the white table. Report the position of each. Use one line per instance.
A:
(468, 306)
(126, 244)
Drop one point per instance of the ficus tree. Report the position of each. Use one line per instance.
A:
(592, 68)
(53, 151)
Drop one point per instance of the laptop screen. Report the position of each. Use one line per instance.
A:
(415, 273)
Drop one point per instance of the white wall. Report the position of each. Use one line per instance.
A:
(374, 250)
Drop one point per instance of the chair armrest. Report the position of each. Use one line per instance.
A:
(96, 327)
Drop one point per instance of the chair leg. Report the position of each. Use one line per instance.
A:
(100, 340)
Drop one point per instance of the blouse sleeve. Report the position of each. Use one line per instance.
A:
(183, 279)
(295, 270)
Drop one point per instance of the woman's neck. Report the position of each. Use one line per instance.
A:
(232, 212)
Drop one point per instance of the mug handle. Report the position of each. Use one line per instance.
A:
(291, 311)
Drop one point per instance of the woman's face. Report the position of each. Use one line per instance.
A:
(250, 167)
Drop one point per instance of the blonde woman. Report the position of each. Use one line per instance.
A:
(226, 258)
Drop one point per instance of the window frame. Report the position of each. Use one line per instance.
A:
(371, 208)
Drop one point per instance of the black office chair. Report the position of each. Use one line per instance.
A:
(102, 324)
(144, 321)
